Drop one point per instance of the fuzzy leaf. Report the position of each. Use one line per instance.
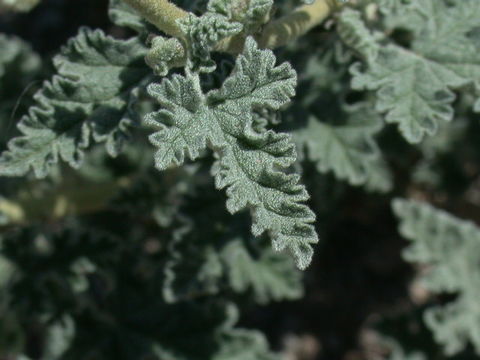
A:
(248, 162)
(124, 15)
(271, 276)
(18, 5)
(183, 121)
(348, 149)
(415, 86)
(202, 34)
(451, 248)
(91, 96)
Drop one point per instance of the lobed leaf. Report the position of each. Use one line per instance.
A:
(270, 276)
(415, 85)
(92, 95)
(202, 34)
(451, 248)
(347, 148)
(248, 162)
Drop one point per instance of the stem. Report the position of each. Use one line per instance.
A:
(280, 32)
(161, 13)
(164, 14)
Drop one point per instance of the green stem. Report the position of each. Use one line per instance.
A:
(164, 14)
(280, 32)
(161, 13)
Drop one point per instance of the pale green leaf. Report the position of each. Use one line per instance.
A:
(248, 162)
(91, 97)
(336, 136)
(202, 34)
(124, 15)
(415, 86)
(345, 146)
(450, 247)
(183, 121)
(270, 276)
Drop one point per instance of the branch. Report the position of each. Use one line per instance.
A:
(285, 29)
(161, 13)
(281, 31)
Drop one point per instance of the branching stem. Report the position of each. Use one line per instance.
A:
(287, 28)
(163, 14)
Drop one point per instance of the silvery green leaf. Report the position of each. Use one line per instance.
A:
(202, 34)
(347, 146)
(415, 86)
(249, 163)
(450, 247)
(91, 97)
(124, 15)
(270, 276)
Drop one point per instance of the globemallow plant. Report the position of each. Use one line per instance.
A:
(158, 185)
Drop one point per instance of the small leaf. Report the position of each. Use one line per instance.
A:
(122, 14)
(345, 147)
(270, 276)
(202, 34)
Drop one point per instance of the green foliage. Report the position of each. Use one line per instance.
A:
(415, 84)
(450, 247)
(18, 67)
(91, 97)
(116, 243)
(191, 119)
(202, 34)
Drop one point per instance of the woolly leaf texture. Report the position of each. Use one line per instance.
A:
(415, 84)
(19, 65)
(248, 161)
(450, 247)
(91, 97)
